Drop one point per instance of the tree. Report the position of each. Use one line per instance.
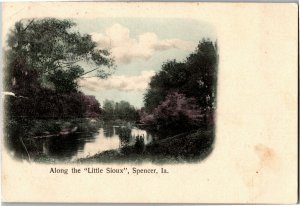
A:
(171, 77)
(92, 106)
(202, 71)
(125, 111)
(43, 61)
(119, 110)
(108, 110)
(54, 52)
(192, 81)
(195, 77)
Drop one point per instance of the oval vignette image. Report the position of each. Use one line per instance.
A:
(110, 90)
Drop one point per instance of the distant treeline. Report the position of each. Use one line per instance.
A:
(119, 111)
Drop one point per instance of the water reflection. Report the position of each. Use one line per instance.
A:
(89, 140)
(108, 130)
(111, 138)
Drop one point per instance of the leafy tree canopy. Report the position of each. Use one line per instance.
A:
(119, 110)
(56, 52)
(195, 77)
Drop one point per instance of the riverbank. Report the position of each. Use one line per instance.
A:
(85, 140)
(185, 147)
(48, 140)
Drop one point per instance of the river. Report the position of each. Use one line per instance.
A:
(90, 138)
(107, 138)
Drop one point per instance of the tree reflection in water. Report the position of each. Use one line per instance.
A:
(29, 138)
(36, 139)
(108, 130)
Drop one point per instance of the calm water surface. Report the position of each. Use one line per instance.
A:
(108, 139)
(79, 145)
(43, 138)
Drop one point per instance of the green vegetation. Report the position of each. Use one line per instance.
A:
(181, 98)
(139, 144)
(184, 93)
(49, 118)
(124, 134)
(43, 63)
(187, 147)
(119, 111)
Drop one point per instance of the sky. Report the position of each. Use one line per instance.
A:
(139, 46)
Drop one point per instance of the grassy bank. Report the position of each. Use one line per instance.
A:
(186, 147)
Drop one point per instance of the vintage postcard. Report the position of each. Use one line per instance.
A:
(139, 102)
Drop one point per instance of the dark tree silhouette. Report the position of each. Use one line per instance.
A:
(194, 79)
(54, 51)
(44, 60)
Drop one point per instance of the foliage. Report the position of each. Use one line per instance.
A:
(108, 110)
(48, 104)
(202, 74)
(43, 61)
(188, 147)
(39, 134)
(54, 52)
(92, 106)
(183, 92)
(195, 77)
(124, 134)
(119, 110)
(139, 144)
(176, 111)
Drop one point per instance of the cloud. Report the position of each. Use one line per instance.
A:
(118, 82)
(125, 48)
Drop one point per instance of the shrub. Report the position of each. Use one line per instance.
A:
(176, 110)
(139, 144)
